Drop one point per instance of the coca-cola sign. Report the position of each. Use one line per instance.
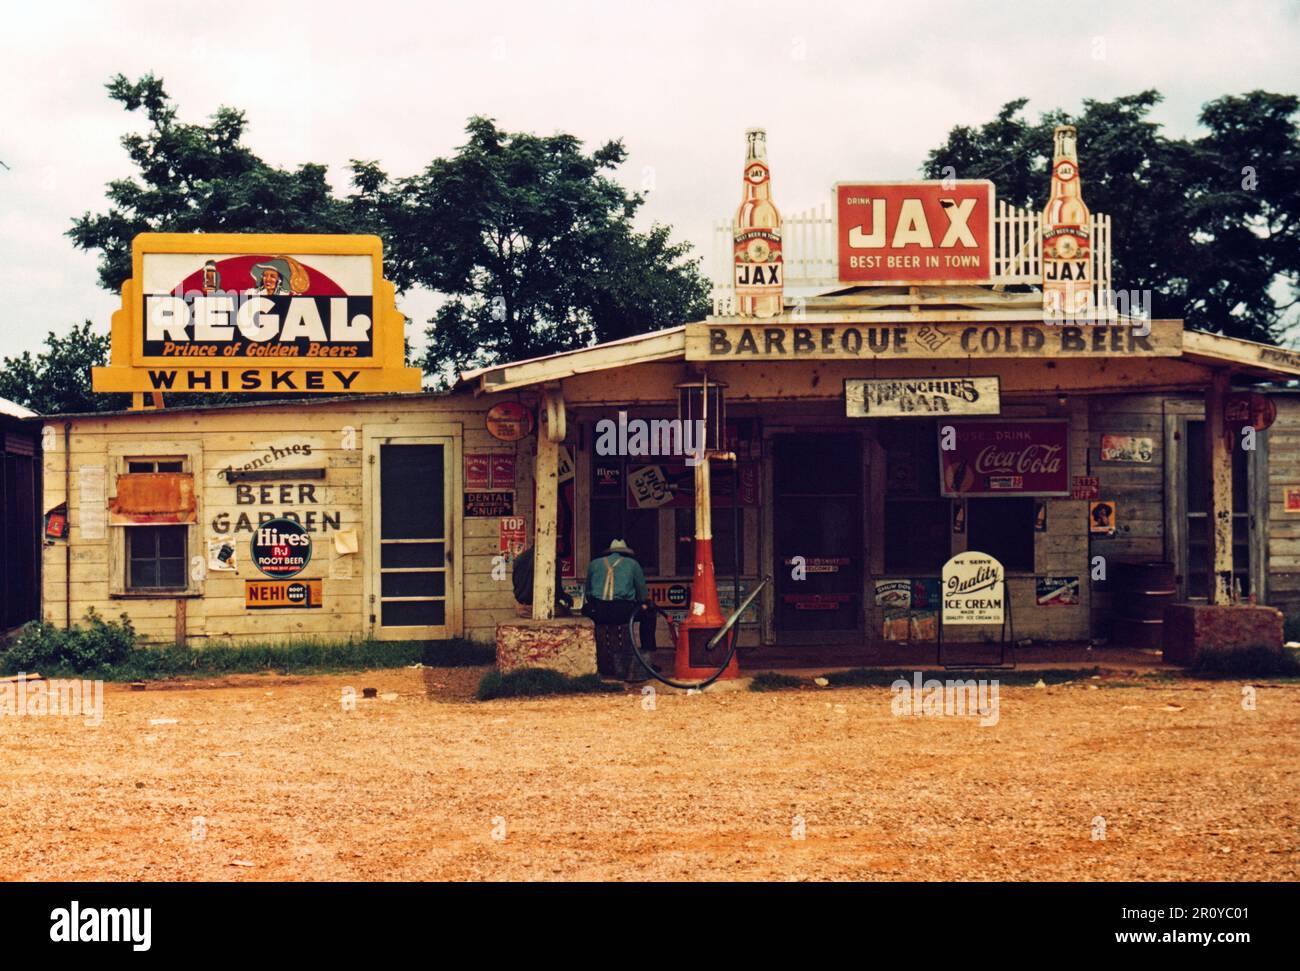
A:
(1004, 458)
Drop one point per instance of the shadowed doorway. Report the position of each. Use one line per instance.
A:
(817, 515)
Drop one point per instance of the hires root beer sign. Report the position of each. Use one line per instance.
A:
(906, 233)
(1004, 458)
(249, 313)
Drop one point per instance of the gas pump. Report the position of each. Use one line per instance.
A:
(705, 640)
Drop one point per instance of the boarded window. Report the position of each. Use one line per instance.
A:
(153, 497)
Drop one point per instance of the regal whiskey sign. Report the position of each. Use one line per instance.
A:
(255, 313)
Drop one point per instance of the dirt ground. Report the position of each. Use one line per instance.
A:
(269, 778)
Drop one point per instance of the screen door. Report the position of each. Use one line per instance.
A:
(412, 538)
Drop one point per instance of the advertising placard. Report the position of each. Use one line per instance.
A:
(244, 313)
(905, 233)
(280, 594)
(280, 548)
(974, 589)
(1005, 458)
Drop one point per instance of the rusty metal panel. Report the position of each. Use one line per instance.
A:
(153, 497)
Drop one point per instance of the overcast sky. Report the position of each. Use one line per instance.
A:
(846, 90)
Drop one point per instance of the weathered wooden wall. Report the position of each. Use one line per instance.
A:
(1283, 552)
(216, 438)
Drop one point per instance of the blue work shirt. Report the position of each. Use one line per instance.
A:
(615, 577)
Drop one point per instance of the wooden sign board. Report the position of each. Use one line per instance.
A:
(254, 313)
(929, 341)
(921, 397)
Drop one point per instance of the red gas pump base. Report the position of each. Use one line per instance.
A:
(703, 620)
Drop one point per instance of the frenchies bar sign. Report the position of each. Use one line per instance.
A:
(1005, 458)
(921, 397)
(257, 313)
(915, 232)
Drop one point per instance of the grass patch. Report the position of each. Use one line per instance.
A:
(775, 681)
(879, 678)
(537, 682)
(1249, 662)
(47, 650)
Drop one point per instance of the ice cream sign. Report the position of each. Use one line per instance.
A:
(915, 232)
(254, 313)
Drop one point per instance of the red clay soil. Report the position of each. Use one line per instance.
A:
(266, 778)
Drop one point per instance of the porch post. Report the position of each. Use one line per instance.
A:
(1218, 492)
(550, 420)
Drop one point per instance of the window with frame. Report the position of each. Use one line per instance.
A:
(1004, 529)
(146, 466)
(156, 557)
(918, 521)
(611, 519)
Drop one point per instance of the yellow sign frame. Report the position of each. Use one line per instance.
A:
(130, 370)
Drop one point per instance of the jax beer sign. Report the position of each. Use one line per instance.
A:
(912, 233)
(1004, 458)
(257, 313)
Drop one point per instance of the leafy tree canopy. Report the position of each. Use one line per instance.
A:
(531, 240)
(1209, 225)
(200, 178)
(58, 379)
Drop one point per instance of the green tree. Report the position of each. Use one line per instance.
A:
(200, 178)
(1208, 225)
(531, 241)
(58, 379)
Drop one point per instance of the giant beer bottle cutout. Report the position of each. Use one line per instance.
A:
(760, 272)
(1067, 255)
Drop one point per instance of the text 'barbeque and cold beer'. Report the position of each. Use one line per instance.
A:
(251, 313)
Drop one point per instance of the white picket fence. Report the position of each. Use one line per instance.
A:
(808, 247)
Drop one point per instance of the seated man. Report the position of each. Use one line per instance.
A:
(615, 590)
(521, 577)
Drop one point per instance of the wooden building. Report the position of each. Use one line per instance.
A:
(410, 503)
(924, 372)
(19, 517)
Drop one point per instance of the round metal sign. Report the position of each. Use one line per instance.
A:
(281, 548)
(509, 421)
(1249, 408)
